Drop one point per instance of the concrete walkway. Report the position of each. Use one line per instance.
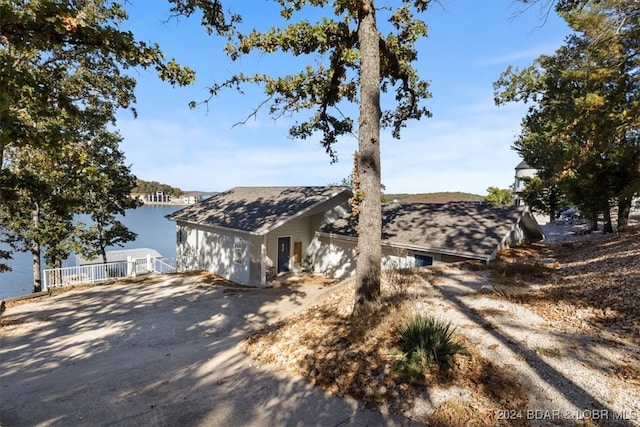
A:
(161, 354)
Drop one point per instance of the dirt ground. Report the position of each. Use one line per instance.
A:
(552, 331)
(159, 351)
(552, 334)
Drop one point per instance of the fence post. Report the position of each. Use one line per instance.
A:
(131, 267)
(149, 266)
(44, 280)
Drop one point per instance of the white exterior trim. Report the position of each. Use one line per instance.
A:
(408, 247)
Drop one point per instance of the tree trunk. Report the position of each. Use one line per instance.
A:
(35, 252)
(370, 217)
(607, 227)
(103, 254)
(624, 209)
(553, 204)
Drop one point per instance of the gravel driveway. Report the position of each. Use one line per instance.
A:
(161, 354)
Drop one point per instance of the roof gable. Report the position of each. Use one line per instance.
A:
(255, 209)
(458, 227)
(523, 165)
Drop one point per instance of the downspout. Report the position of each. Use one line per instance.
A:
(263, 261)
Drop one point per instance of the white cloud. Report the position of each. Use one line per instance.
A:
(520, 56)
(196, 157)
(469, 153)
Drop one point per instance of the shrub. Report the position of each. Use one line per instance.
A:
(426, 340)
(399, 281)
(398, 275)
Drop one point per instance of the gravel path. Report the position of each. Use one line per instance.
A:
(563, 233)
(568, 374)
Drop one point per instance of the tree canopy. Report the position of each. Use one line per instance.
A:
(582, 131)
(143, 186)
(499, 196)
(64, 74)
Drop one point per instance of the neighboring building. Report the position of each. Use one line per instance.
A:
(157, 197)
(191, 198)
(248, 234)
(420, 234)
(523, 172)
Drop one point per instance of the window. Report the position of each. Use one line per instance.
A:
(423, 260)
(237, 254)
(238, 251)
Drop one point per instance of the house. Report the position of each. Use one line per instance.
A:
(248, 234)
(421, 234)
(191, 198)
(523, 173)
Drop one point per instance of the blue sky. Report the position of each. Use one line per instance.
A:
(465, 146)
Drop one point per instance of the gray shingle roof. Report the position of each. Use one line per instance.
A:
(523, 165)
(255, 209)
(457, 227)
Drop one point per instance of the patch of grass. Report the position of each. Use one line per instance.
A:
(458, 413)
(489, 311)
(439, 197)
(549, 352)
(504, 293)
(519, 273)
(10, 321)
(426, 341)
(628, 371)
(475, 266)
(376, 322)
(524, 270)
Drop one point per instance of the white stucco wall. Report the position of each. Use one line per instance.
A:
(222, 253)
(256, 259)
(337, 258)
(332, 257)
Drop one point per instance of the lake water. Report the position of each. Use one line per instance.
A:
(154, 231)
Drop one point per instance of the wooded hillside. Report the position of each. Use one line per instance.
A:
(143, 186)
(441, 197)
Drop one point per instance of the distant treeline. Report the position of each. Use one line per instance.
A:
(143, 186)
(442, 197)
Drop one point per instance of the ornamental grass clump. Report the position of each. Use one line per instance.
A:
(426, 341)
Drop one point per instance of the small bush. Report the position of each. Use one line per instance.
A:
(426, 341)
(398, 275)
(399, 280)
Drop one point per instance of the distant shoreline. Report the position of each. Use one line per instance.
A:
(176, 203)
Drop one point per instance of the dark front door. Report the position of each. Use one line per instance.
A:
(284, 253)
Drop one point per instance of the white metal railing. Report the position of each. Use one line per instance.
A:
(86, 274)
(164, 265)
